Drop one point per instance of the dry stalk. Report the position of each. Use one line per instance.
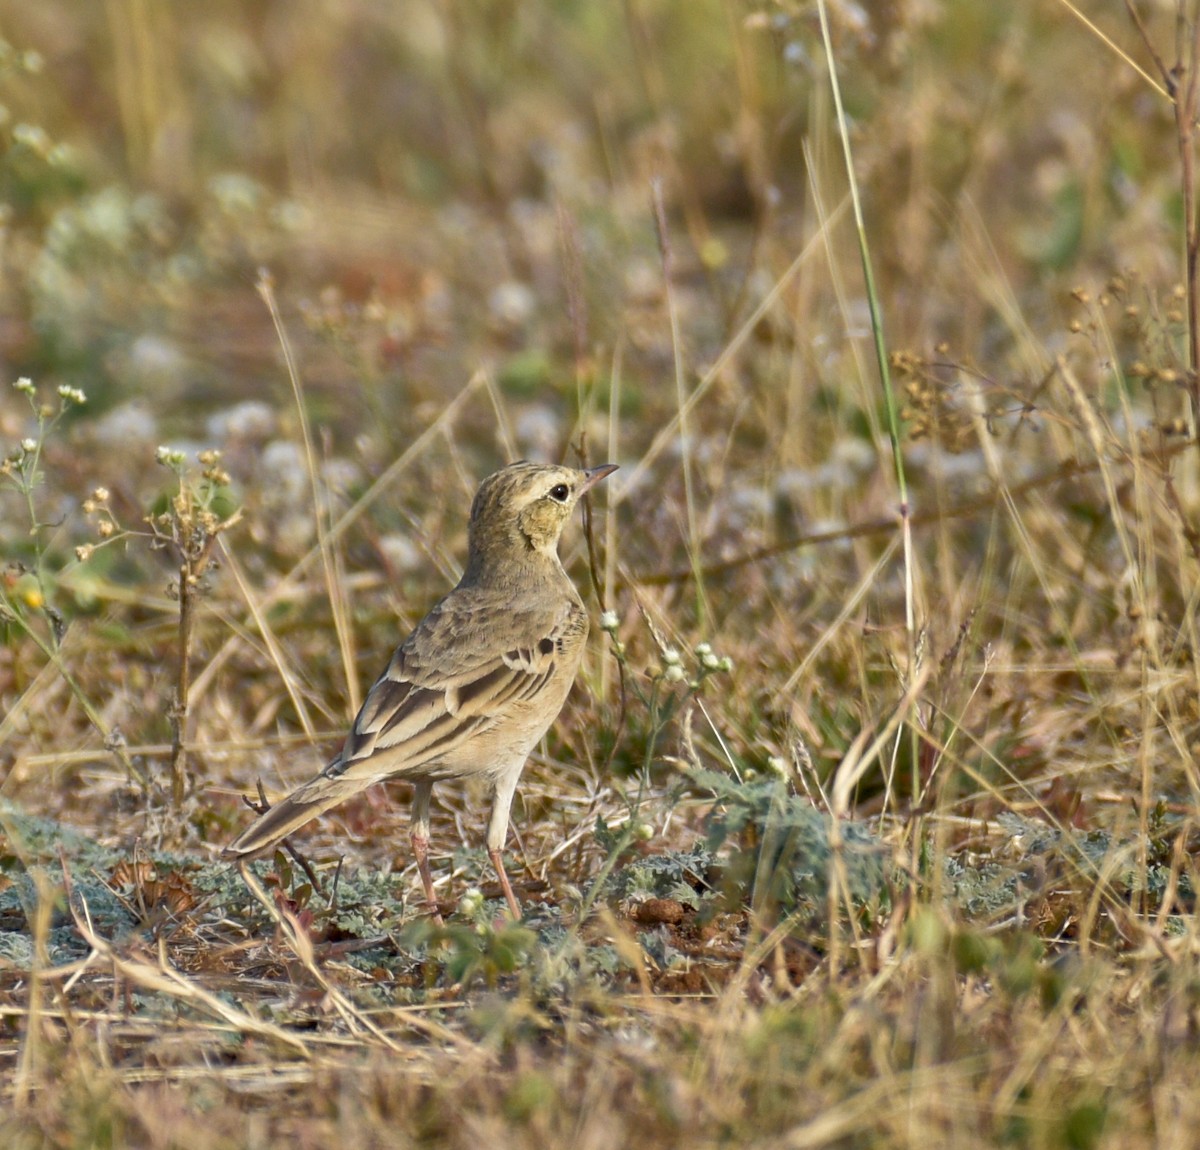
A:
(1182, 82)
(30, 1061)
(290, 584)
(194, 534)
(320, 507)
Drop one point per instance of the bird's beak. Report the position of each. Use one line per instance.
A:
(595, 474)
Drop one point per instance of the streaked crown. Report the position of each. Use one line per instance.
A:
(524, 507)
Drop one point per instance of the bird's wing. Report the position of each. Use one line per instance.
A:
(466, 664)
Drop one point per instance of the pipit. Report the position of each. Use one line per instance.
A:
(478, 683)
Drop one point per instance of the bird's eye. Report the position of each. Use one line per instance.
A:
(559, 492)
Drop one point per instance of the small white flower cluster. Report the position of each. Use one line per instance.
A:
(674, 670)
(470, 902)
(30, 60)
(71, 395)
(66, 392)
(710, 661)
(672, 665)
(170, 457)
(106, 525)
(610, 624)
(777, 766)
(33, 137)
(14, 465)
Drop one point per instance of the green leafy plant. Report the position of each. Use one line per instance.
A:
(28, 604)
(476, 947)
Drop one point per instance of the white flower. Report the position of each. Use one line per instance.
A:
(609, 621)
(71, 394)
(670, 657)
(24, 384)
(673, 673)
(29, 446)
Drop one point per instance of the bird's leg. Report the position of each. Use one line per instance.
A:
(419, 837)
(498, 862)
(498, 831)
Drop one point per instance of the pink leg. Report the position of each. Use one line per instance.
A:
(419, 837)
(420, 849)
(498, 862)
(506, 784)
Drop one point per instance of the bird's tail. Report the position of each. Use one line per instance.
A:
(303, 804)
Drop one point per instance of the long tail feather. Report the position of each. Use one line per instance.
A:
(291, 814)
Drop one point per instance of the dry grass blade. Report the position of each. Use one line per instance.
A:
(164, 979)
(346, 520)
(288, 676)
(320, 516)
(301, 946)
(670, 432)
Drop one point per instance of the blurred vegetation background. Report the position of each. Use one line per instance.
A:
(439, 181)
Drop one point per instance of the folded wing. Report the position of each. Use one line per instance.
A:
(423, 712)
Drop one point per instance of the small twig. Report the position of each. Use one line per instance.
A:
(337, 878)
(260, 808)
(113, 743)
(885, 525)
(191, 570)
(572, 268)
(1168, 76)
(317, 495)
(1185, 116)
(681, 396)
(1182, 83)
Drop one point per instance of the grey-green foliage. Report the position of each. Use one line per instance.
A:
(681, 875)
(30, 838)
(791, 859)
(31, 859)
(763, 847)
(1039, 854)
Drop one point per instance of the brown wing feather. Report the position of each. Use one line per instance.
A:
(449, 681)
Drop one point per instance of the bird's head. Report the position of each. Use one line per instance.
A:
(524, 507)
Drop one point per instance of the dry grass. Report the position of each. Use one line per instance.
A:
(562, 230)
